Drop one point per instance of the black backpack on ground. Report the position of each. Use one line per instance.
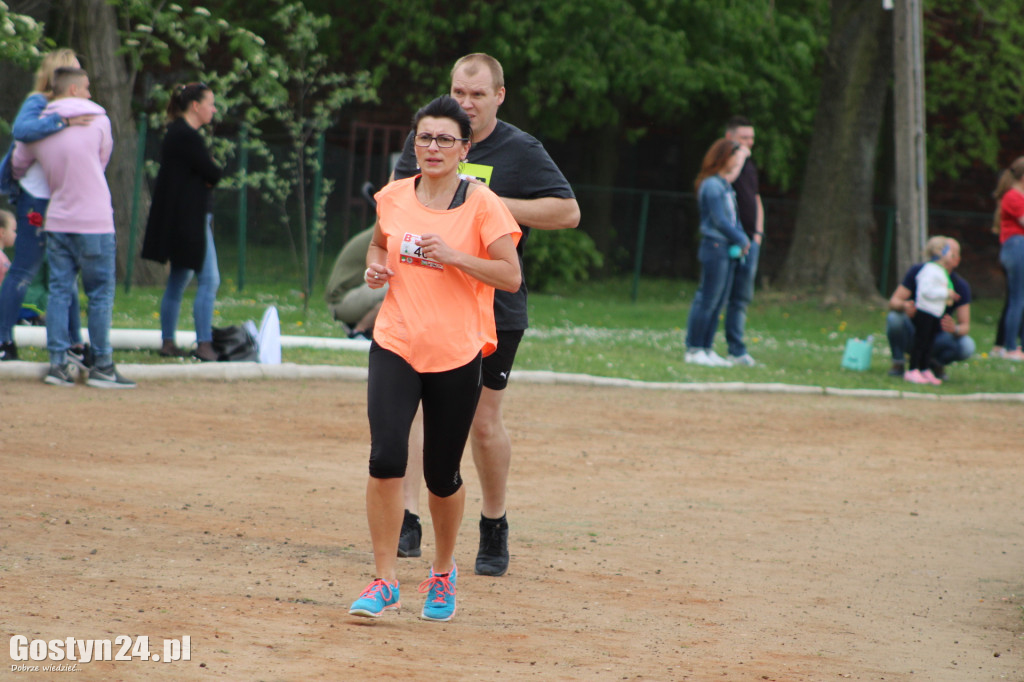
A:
(235, 344)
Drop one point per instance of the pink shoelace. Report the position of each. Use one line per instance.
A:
(443, 586)
(377, 587)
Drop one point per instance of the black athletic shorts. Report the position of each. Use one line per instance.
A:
(498, 365)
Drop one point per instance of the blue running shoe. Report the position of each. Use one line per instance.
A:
(378, 597)
(440, 589)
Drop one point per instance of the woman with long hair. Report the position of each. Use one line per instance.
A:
(1010, 222)
(723, 243)
(180, 225)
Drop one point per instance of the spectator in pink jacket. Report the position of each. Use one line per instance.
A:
(79, 226)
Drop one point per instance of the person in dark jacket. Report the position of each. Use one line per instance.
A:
(180, 225)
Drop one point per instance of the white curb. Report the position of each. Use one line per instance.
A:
(138, 339)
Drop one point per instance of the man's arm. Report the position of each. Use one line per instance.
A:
(545, 213)
(759, 223)
(901, 301)
(961, 326)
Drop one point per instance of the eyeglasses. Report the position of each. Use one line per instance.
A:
(443, 141)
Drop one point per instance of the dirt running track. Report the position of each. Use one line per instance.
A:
(656, 535)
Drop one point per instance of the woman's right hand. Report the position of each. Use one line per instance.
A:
(377, 275)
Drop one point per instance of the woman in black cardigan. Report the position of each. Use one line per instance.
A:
(180, 225)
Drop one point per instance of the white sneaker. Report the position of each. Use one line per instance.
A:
(716, 360)
(696, 357)
(742, 360)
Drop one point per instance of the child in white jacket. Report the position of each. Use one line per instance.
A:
(934, 293)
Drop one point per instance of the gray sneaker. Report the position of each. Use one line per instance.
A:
(742, 360)
(59, 375)
(108, 377)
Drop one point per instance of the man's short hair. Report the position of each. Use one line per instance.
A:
(474, 61)
(65, 76)
(737, 122)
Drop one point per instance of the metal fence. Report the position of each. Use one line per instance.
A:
(641, 232)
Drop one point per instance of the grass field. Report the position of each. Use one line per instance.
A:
(595, 328)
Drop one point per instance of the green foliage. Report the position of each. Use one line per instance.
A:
(22, 40)
(282, 84)
(622, 65)
(285, 83)
(974, 56)
(558, 257)
(157, 32)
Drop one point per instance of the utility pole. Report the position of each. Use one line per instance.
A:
(911, 162)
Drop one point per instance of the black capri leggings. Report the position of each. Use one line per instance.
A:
(449, 402)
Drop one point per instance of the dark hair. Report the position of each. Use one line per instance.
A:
(64, 76)
(716, 158)
(182, 97)
(445, 107)
(737, 122)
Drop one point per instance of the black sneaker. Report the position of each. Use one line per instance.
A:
(492, 556)
(412, 534)
(8, 351)
(896, 370)
(80, 356)
(938, 370)
(59, 375)
(108, 377)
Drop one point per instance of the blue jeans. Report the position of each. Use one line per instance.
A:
(715, 279)
(206, 293)
(740, 295)
(1011, 256)
(947, 348)
(29, 251)
(94, 256)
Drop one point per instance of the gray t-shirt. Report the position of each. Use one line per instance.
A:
(515, 165)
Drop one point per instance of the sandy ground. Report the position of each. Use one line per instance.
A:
(656, 535)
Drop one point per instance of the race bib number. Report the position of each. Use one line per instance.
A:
(476, 171)
(412, 254)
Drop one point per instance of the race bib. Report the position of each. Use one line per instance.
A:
(412, 254)
(476, 171)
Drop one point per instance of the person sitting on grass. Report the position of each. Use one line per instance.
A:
(952, 344)
(349, 299)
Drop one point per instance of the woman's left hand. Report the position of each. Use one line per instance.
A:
(377, 275)
(434, 248)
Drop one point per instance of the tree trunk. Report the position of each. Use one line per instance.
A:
(831, 250)
(94, 36)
